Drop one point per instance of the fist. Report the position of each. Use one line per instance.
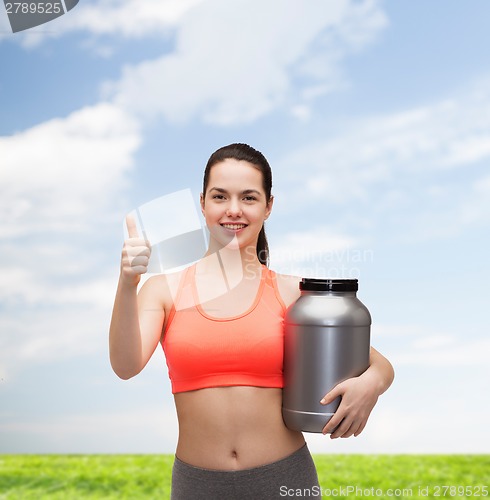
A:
(135, 254)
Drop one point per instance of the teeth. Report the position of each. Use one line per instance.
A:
(234, 226)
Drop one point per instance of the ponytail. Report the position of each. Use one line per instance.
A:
(263, 248)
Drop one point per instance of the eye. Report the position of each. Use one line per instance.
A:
(218, 197)
(250, 198)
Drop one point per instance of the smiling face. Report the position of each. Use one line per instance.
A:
(235, 205)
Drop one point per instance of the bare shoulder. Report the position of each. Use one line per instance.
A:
(161, 288)
(288, 286)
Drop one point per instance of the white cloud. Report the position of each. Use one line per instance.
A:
(459, 206)
(449, 133)
(399, 169)
(152, 429)
(275, 53)
(397, 426)
(32, 286)
(269, 50)
(60, 195)
(315, 252)
(437, 375)
(419, 345)
(453, 353)
(387, 431)
(131, 19)
(36, 336)
(57, 175)
(408, 429)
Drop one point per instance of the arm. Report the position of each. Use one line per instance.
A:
(359, 395)
(137, 319)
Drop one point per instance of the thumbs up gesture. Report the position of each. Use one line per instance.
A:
(135, 254)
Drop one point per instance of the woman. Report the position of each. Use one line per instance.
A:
(220, 324)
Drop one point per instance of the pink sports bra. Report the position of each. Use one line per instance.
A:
(203, 351)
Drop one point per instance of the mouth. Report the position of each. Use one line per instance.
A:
(235, 227)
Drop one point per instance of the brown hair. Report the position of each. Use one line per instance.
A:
(244, 152)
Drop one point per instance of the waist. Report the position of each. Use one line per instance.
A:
(232, 428)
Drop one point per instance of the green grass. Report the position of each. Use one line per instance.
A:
(85, 476)
(148, 476)
(421, 476)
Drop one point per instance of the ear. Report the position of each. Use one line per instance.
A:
(268, 208)
(201, 202)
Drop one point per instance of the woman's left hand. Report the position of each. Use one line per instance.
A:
(359, 395)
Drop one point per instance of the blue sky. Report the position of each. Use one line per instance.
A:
(375, 118)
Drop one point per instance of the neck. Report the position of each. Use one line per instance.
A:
(242, 260)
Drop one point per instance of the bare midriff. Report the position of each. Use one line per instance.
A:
(233, 428)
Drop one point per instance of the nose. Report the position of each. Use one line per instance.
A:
(234, 209)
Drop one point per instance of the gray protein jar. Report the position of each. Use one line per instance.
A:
(327, 340)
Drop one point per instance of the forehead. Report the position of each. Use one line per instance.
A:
(235, 173)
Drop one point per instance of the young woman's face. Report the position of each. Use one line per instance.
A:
(235, 204)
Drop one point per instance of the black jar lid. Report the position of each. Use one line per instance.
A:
(328, 285)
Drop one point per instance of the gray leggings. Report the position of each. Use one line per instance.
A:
(289, 477)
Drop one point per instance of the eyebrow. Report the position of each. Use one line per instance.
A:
(245, 191)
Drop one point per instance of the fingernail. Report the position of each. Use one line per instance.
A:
(322, 401)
